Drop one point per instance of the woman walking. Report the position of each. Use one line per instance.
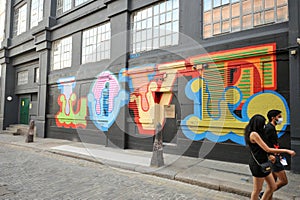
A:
(254, 133)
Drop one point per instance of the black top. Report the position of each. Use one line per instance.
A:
(259, 154)
(271, 138)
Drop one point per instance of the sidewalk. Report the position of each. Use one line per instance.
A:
(223, 176)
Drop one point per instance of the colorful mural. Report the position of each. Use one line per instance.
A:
(150, 91)
(226, 89)
(66, 116)
(105, 99)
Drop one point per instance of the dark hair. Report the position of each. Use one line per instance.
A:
(256, 124)
(272, 113)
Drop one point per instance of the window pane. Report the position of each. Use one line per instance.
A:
(216, 14)
(217, 28)
(36, 75)
(217, 3)
(225, 12)
(247, 23)
(162, 7)
(246, 6)
(281, 2)
(258, 5)
(235, 24)
(235, 10)
(258, 19)
(269, 16)
(225, 26)
(207, 5)
(282, 14)
(175, 38)
(207, 31)
(78, 2)
(269, 4)
(207, 17)
(168, 40)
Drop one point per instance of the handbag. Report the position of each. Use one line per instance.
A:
(264, 167)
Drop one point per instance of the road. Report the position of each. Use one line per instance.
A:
(34, 174)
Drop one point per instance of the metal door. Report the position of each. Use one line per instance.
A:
(24, 110)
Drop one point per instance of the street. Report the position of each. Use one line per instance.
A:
(35, 174)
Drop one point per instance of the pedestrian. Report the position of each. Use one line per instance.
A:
(271, 139)
(254, 134)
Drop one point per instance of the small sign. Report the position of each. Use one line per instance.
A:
(169, 111)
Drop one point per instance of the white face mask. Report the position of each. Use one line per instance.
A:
(279, 121)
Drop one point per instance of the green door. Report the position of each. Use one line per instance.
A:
(24, 111)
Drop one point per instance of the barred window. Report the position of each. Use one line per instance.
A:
(96, 43)
(36, 15)
(62, 53)
(22, 78)
(155, 26)
(225, 16)
(20, 20)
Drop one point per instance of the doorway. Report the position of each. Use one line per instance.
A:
(24, 110)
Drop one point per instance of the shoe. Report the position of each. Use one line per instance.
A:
(260, 195)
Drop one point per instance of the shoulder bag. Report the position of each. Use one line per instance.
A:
(264, 167)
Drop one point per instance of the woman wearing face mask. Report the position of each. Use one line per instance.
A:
(254, 132)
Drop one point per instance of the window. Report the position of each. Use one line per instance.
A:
(65, 5)
(155, 26)
(96, 43)
(20, 21)
(2, 20)
(78, 2)
(62, 53)
(225, 16)
(36, 75)
(36, 14)
(22, 78)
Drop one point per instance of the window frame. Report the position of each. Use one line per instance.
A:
(155, 26)
(63, 55)
(16, 18)
(22, 80)
(40, 12)
(251, 16)
(71, 4)
(101, 47)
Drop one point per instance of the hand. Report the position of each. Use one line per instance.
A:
(291, 152)
(272, 158)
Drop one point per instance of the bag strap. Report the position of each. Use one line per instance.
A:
(254, 158)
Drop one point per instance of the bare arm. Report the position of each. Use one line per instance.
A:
(255, 138)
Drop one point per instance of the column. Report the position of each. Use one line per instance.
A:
(120, 20)
(294, 42)
(9, 101)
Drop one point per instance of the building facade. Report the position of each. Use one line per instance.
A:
(109, 71)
